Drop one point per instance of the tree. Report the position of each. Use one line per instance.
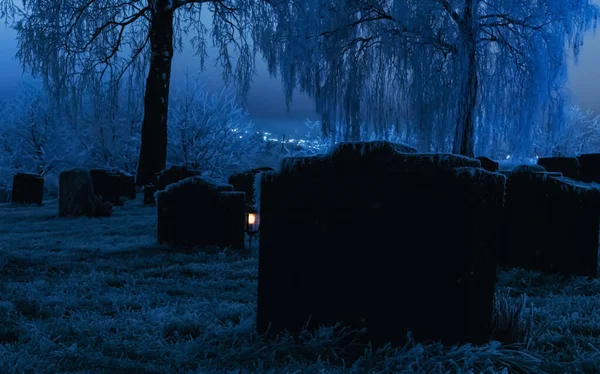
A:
(75, 45)
(32, 138)
(210, 132)
(441, 68)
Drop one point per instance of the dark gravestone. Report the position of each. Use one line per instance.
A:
(173, 175)
(372, 237)
(568, 166)
(127, 184)
(552, 224)
(249, 183)
(488, 164)
(28, 188)
(149, 191)
(75, 193)
(589, 167)
(195, 212)
(107, 185)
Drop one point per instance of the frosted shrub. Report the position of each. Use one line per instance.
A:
(32, 137)
(581, 134)
(108, 131)
(210, 132)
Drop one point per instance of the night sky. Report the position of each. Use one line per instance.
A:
(266, 103)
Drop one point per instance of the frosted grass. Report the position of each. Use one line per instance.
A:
(98, 296)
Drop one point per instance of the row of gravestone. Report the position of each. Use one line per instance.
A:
(94, 192)
(110, 185)
(376, 235)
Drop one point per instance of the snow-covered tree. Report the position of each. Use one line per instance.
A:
(77, 44)
(439, 68)
(210, 132)
(32, 138)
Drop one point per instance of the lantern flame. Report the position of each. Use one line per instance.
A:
(251, 219)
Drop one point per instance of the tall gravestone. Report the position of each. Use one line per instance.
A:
(28, 188)
(75, 193)
(376, 235)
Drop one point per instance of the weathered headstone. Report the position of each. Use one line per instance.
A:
(552, 223)
(589, 167)
(249, 183)
(371, 236)
(198, 211)
(173, 175)
(75, 193)
(107, 185)
(568, 166)
(127, 184)
(488, 164)
(28, 188)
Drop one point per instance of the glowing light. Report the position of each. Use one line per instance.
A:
(251, 219)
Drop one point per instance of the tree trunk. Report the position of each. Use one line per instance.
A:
(464, 140)
(153, 152)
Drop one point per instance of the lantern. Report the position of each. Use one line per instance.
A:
(251, 222)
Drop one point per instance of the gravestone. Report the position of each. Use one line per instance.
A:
(173, 175)
(249, 183)
(488, 164)
(375, 235)
(199, 211)
(127, 184)
(589, 167)
(75, 193)
(552, 223)
(568, 166)
(28, 188)
(107, 185)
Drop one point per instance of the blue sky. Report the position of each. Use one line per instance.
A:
(266, 103)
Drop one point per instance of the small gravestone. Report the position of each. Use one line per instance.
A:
(373, 235)
(488, 164)
(568, 166)
(28, 188)
(76, 194)
(195, 211)
(149, 191)
(173, 175)
(127, 184)
(107, 185)
(589, 167)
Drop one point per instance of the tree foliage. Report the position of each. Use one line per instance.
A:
(76, 46)
(455, 72)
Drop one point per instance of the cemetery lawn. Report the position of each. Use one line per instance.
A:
(98, 296)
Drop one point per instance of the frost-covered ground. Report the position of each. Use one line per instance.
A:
(97, 296)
